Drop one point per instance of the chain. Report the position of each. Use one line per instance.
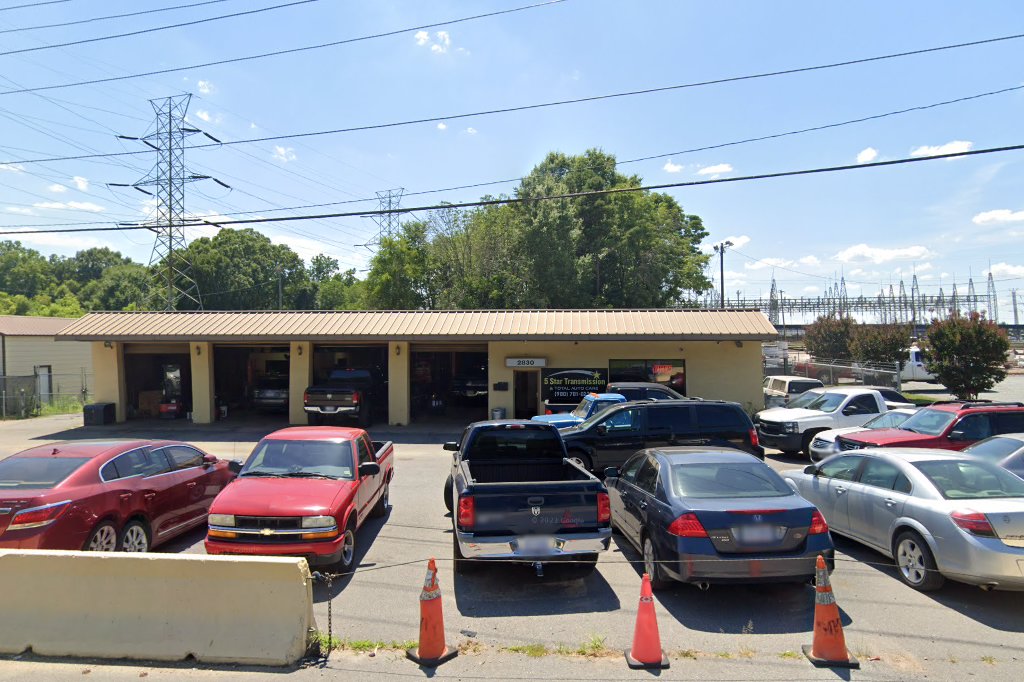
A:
(329, 579)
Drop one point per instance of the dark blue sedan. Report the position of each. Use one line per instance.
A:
(708, 515)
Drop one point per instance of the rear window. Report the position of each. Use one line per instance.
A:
(514, 443)
(17, 473)
(964, 480)
(298, 457)
(273, 384)
(796, 387)
(722, 417)
(994, 449)
(732, 480)
(345, 375)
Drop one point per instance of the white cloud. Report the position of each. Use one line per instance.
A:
(65, 242)
(442, 126)
(999, 215)
(862, 253)
(440, 44)
(811, 290)
(437, 49)
(284, 154)
(809, 260)
(471, 131)
(949, 148)
(205, 87)
(738, 241)
(57, 189)
(867, 155)
(768, 263)
(81, 183)
(1006, 270)
(203, 115)
(670, 167)
(422, 38)
(11, 167)
(715, 170)
(73, 205)
(443, 38)
(20, 210)
(253, 126)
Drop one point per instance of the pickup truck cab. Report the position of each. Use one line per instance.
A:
(347, 392)
(304, 491)
(948, 425)
(514, 495)
(914, 368)
(792, 428)
(588, 407)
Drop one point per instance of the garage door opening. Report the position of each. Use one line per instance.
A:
(158, 384)
(251, 382)
(368, 367)
(449, 384)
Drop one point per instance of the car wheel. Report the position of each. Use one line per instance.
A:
(461, 564)
(381, 508)
(651, 566)
(580, 458)
(348, 548)
(915, 562)
(805, 444)
(134, 537)
(449, 492)
(103, 538)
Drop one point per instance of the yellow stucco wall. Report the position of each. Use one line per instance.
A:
(108, 376)
(720, 370)
(398, 383)
(203, 407)
(300, 376)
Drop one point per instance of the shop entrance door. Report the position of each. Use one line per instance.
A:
(527, 385)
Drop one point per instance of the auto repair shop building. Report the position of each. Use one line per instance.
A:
(460, 364)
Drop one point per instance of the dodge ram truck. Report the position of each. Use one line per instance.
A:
(514, 495)
(346, 393)
(304, 491)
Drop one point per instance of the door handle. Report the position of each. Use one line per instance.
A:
(125, 497)
(643, 504)
(149, 496)
(190, 484)
(889, 502)
(840, 491)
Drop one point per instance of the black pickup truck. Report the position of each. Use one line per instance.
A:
(347, 392)
(514, 495)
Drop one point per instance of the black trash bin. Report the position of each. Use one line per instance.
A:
(99, 414)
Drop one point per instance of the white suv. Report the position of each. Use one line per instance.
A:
(779, 390)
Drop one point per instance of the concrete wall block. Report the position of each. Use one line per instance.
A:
(244, 610)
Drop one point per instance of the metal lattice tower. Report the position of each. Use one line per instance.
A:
(972, 298)
(172, 282)
(1013, 300)
(389, 224)
(993, 300)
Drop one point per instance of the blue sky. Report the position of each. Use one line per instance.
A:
(946, 220)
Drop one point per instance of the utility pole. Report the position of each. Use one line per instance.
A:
(720, 249)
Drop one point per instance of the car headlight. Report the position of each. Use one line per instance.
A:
(791, 427)
(317, 521)
(222, 519)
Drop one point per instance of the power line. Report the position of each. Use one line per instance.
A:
(34, 4)
(278, 53)
(155, 29)
(111, 16)
(581, 195)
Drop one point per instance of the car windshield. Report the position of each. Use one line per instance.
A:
(17, 473)
(822, 402)
(971, 480)
(995, 448)
(582, 410)
(929, 422)
(727, 480)
(887, 420)
(301, 458)
(805, 399)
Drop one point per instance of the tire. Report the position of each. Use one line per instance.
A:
(651, 566)
(915, 563)
(134, 537)
(581, 458)
(381, 508)
(449, 493)
(103, 538)
(348, 553)
(461, 564)
(805, 443)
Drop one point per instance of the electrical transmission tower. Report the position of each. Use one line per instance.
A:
(173, 284)
(389, 224)
(993, 300)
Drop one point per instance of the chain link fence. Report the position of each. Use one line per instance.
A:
(779, 359)
(43, 394)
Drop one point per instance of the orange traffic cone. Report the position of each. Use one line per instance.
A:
(646, 653)
(431, 651)
(829, 647)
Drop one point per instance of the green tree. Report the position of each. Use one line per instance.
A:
(24, 271)
(966, 354)
(885, 343)
(120, 287)
(341, 292)
(829, 336)
(87, 265)
(322, 268)
(398, 277)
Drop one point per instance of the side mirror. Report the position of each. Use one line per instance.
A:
(611, 472)
(451, 446)
(369, 469)
(209, 460)
(601, 429)
(958, 435)
(850, 410)
(234, 467)
(811, 470)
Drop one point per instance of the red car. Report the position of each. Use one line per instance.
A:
(949, 425)
(304, 491)
(106, 495)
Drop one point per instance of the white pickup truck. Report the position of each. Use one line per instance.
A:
(792, 428)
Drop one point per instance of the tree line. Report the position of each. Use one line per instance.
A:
(624, 250)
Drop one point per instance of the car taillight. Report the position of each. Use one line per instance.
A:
(753, 438)
(604, 508)
(818, 524)
(687, 526)
(973, 522)
(355, 397)
(37, 517)
(467, 512)
(548, 412)
(305, 396)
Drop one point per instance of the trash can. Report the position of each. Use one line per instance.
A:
(497, 413)
(99, 414)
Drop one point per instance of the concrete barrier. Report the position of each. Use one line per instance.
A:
(163, 607)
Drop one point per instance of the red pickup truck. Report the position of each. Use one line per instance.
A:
(304, 491)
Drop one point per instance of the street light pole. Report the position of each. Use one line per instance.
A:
(720, 249)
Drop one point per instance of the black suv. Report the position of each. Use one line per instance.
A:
(643, 390)
(611, 437)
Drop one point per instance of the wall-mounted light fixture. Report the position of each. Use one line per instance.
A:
(300, 350)
(398, 350)
(739, 344)
(199, 349)
(107, 344)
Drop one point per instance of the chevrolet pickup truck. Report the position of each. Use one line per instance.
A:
(588, 407)
(346, 393)
(514, 495)
(304, 491)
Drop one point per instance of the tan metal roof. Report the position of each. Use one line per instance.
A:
(24, 325)
(423, 325)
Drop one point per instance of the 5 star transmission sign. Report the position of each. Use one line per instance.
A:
(570, 385)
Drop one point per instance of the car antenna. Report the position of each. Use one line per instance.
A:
(55, 451)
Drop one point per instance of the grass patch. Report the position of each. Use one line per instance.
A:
(723, 654)
(746, 653)
(593, 647)
(531, 650)
(62, 404)
(789, 655)
(362, 645)
(991, 660)
(920, 400)
(689, 653)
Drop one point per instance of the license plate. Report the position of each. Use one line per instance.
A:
(535, 545)
(756, 534)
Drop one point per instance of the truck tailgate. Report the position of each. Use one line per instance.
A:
(535, 508)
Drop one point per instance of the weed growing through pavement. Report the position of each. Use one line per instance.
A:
(362, 645)
(531, 650)
(746, 653)
(748, 629)
(991, 660)
(593, 647)
(689, 653)
(789, 655)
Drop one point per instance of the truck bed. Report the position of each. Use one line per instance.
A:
(525, 471)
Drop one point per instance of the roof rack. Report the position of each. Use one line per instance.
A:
(977, 403)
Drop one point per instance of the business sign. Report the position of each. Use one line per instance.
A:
(525, 363)
(570, 385)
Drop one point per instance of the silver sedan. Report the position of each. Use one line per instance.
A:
(939, 514)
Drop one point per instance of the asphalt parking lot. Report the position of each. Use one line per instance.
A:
(898, 633)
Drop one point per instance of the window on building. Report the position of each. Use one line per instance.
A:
(671, 373)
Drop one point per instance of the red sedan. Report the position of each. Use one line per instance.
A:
(106, 495)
